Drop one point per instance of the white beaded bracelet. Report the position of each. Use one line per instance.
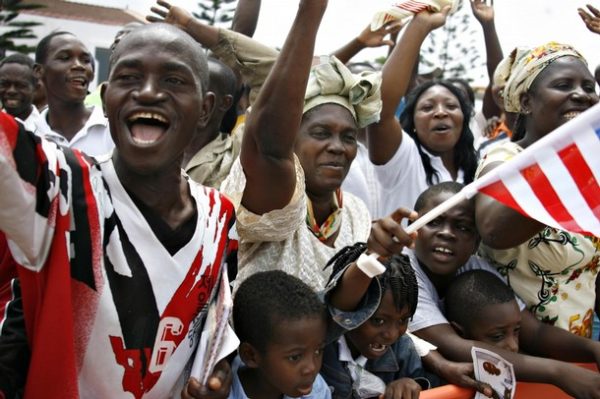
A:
(370, 265)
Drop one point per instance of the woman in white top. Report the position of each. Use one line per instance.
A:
(434, 143)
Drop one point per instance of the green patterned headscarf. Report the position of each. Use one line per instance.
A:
(332, 82)
(529, 66)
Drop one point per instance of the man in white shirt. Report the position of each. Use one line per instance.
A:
(66, 68)
(17, 86)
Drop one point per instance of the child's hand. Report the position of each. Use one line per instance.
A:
(170, 14)
(404, 388)
(461, 374)
(218, 386)
(387, 235)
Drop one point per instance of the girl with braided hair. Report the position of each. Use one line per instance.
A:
(372, 355)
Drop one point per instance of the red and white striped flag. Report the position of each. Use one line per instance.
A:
(407, 8)
(555, 180)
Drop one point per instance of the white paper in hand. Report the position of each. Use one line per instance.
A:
(495, 371)
(217, 339)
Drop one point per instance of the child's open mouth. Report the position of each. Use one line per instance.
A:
(378, 348)
(442, 254)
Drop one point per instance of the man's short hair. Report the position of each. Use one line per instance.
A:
(41, 51)
(267, 298)
(445, 187)
(199, 64)
(222, 78)
(20, 59)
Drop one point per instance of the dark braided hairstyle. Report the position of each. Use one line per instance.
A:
(344, 257)
(399, 276)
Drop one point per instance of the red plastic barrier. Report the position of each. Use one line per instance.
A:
(525, 390)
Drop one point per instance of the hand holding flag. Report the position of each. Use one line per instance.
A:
(555, 180)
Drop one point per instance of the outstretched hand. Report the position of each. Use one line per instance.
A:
(377, 38)
(387, 235)
(462, 374)
(174, 15)
(217, 387)
(432, 20)
(591, 18)
(483, 11)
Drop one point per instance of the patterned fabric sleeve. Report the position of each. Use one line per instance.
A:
(29, 192)
(276, 225)
(252, 59)
(500, 153)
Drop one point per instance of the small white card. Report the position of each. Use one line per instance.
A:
(495, 371)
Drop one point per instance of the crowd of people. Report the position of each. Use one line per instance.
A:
(211, 157)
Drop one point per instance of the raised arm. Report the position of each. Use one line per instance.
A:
(271, 128)
(499, 226)
(31, 182)
(206, 35)
(545, 340)
(246, 16)
(368, 38)
(387, 237)
(385, 136)
(247, 57)
(484, 13)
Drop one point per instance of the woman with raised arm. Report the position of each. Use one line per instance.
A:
(299, 143)
(553, 271)
(434, 142)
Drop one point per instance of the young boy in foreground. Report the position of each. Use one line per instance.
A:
(482, 307)
(282, 325)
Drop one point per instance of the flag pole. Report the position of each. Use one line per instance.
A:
(464, 194)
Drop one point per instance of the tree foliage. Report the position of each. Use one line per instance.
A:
(12, 29)
(216, 12)
(454, 48)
